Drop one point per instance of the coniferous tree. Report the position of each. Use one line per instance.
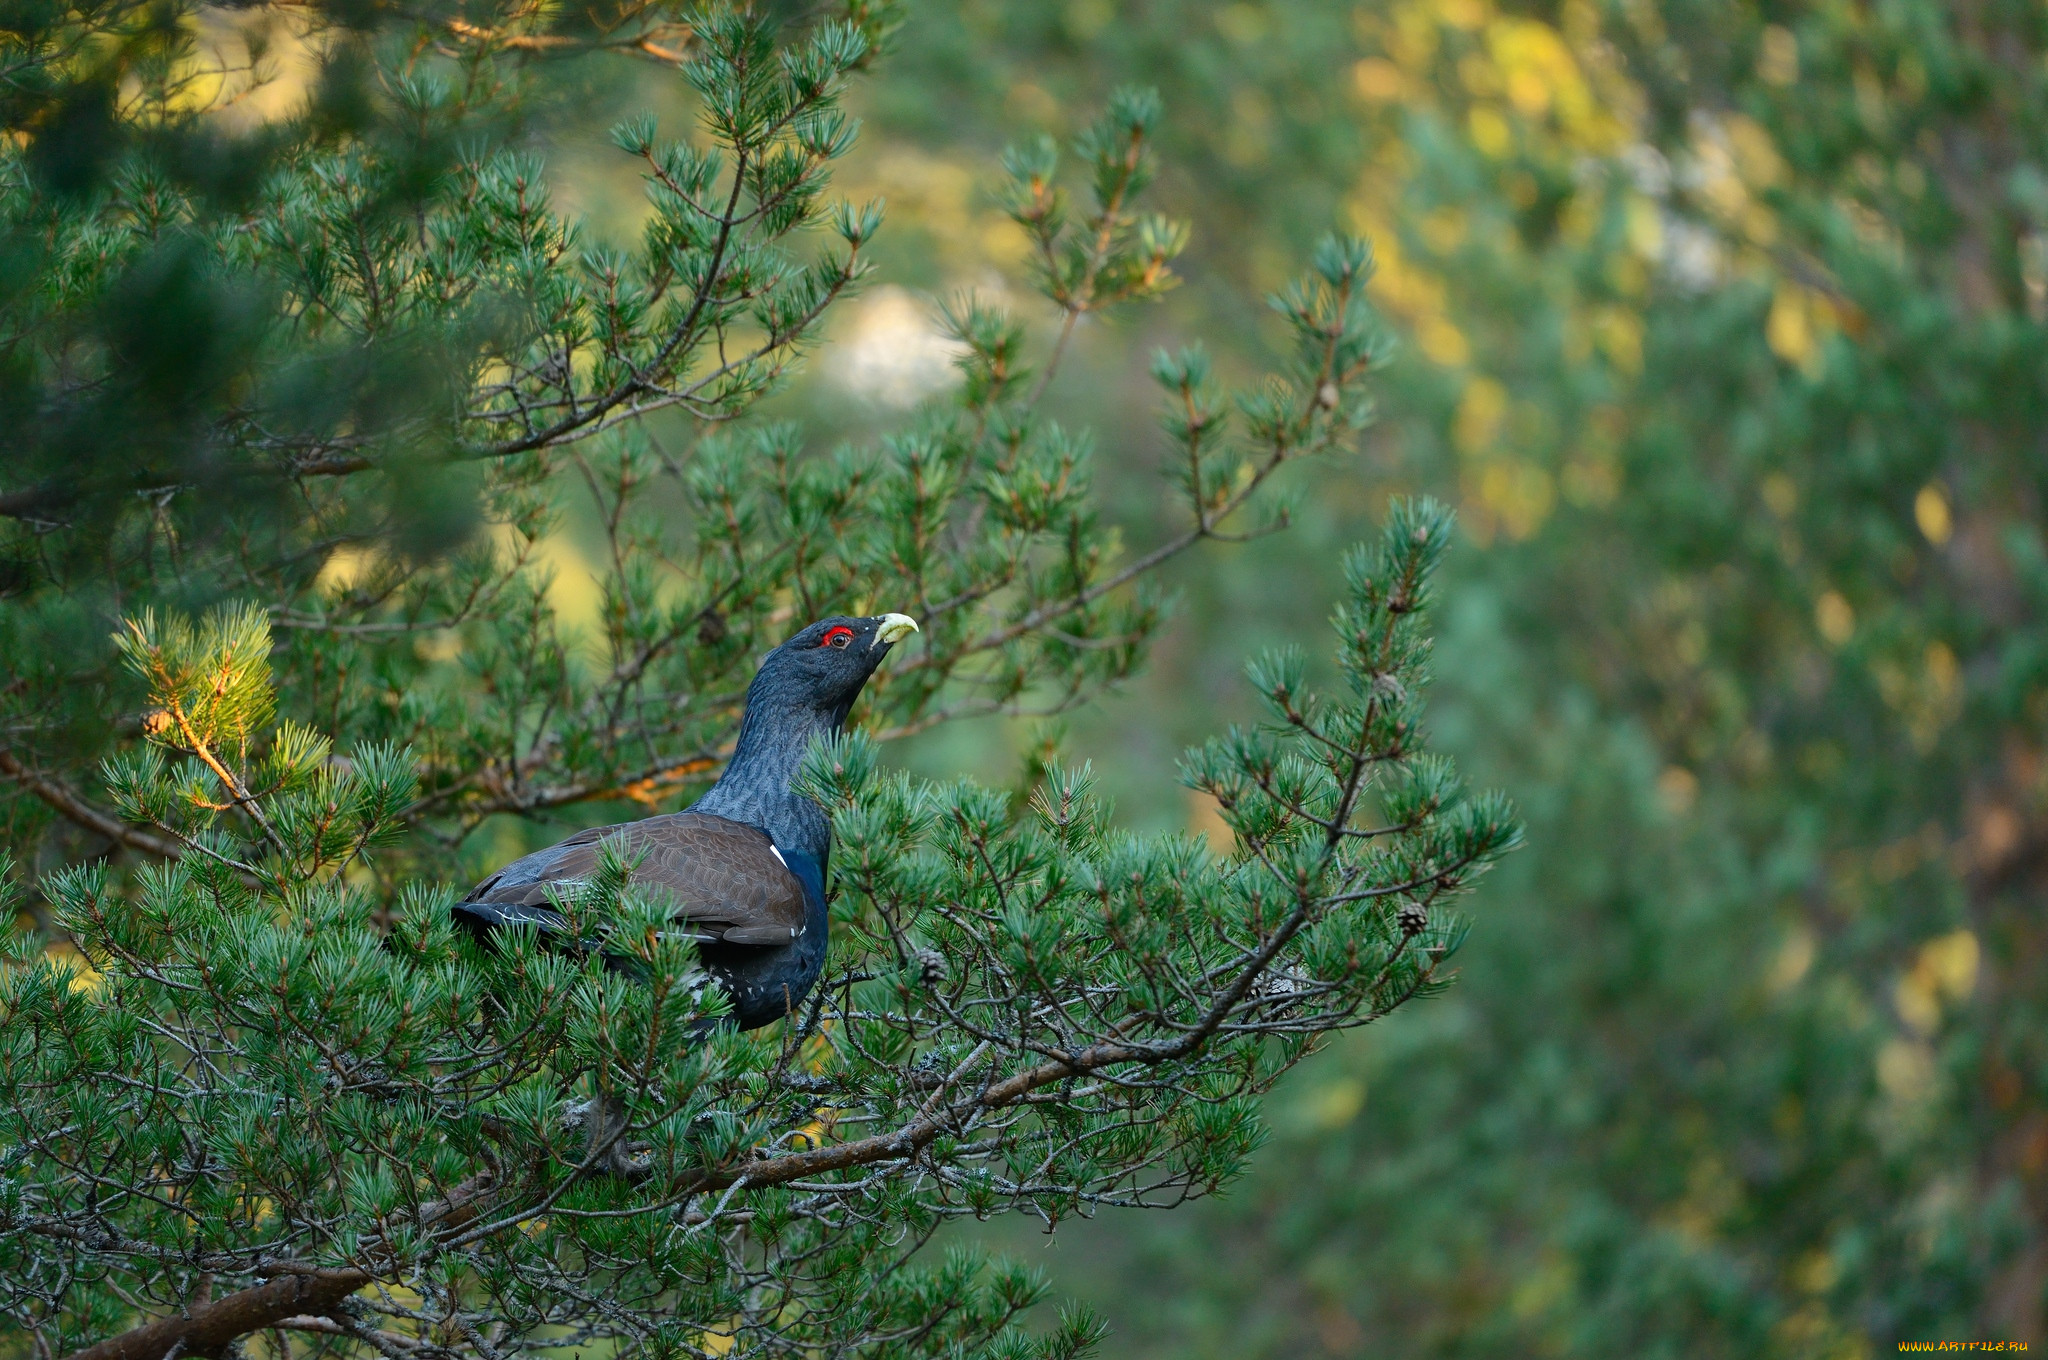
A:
(270, 1098)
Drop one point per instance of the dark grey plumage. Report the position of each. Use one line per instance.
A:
(746, 865)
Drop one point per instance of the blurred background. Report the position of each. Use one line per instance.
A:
(1723, 326)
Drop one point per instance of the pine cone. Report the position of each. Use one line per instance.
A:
(1413, 919)
(1281, 987)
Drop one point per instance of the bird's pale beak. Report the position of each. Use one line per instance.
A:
(895, 627)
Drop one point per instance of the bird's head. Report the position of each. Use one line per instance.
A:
(825, 665)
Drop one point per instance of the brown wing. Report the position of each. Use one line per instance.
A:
(726, 878)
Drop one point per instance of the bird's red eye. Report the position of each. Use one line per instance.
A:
(841, 636)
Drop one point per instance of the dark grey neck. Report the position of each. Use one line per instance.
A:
(755, 786)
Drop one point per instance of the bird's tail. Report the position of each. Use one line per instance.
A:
(481, 918)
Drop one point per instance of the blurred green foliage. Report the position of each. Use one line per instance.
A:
(1725, 325)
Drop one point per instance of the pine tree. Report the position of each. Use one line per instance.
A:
(255, 1107)
(267, 1097)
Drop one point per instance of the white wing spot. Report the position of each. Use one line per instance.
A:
(778, 854)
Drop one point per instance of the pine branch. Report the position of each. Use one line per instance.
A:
(211, 1329)
(77, 810)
